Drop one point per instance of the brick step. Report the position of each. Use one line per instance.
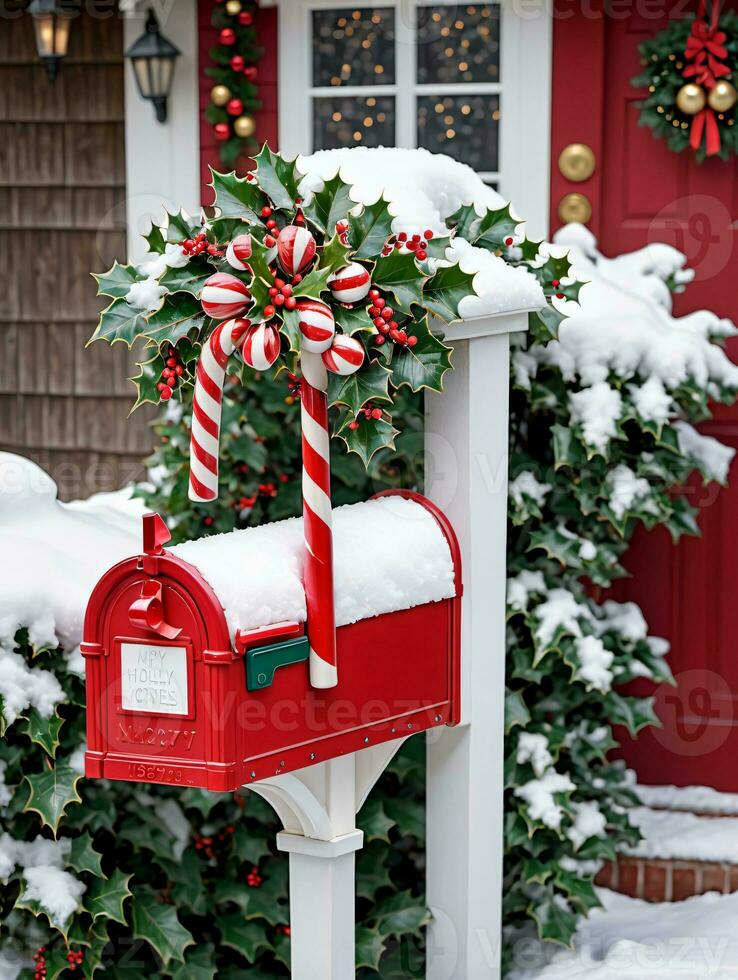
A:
(667, 880)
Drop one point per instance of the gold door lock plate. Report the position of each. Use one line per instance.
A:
(575, 207)
(577, 162)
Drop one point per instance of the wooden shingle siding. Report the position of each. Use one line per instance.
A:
(62, 215)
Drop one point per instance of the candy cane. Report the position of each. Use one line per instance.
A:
(207, 406)
(317, 522)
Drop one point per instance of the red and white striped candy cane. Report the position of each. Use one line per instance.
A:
(207, 405)
(317, 522)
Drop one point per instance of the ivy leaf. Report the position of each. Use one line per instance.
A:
(120, 323)
(189, 279)
(399, 275)
(237, 197)
(444, 291)
(52, 791)
(180, 313)
(369, 948)
(277, 177)
(155, 240)
(43, 731)
(369, 231)
(370, 436)
(494, 227)
(401, 913)
(334, 254)
(354, 390)
(105, 897)
(84, 857)
(117, 280)
(329, 205)
(200, 964)
(247, 937)
(424, 365)
(159, 926)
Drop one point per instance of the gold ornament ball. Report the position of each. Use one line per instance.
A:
(690, 99)
(233, 7)
(244, 126)
(722, 97)
(220, 94)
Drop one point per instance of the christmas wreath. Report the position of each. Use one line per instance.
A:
(689, 70)
(272, 277)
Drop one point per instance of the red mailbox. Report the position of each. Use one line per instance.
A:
(173, 697)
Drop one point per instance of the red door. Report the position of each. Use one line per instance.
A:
(640, 192)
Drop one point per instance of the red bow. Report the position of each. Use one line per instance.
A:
(705, 49)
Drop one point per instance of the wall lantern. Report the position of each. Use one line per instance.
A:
(51, 22)
(153, 57)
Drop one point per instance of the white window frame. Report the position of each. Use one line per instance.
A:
(524, 90)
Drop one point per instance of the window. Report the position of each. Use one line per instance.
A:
(450, 77)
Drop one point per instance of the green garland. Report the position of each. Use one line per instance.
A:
(662, 58)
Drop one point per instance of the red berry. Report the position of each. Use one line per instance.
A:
(269, 241)
(421, 255)
(373, 311)
(412, 341)
(172, 381)
(384, 327)
(380, 302)
(412, 245)
(398, 245)
(393, 325)
(296, 280)
(279, 299)
(376, 413)
(374, 294)
(402, 237)
(237, 63)
(286, 289)
(554, 283)
(290, 303)
(269, 311)
(427, 234)
(300, 220)
(187, 244)
(166, 393)
(353, 425)
(271, 224)
(508, 241)
(265, 212)
(416, 238)
(402, 336)
(378, 322)
(273, 291)
(559, 296)
(394, 334)
(279, 283)
(171, 362)
(179, 370)
(208, 521)
(379, 340)
(387, 313)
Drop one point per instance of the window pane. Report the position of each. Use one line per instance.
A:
(354, 46)
(353, 122)
(459, 43)
(464, 126)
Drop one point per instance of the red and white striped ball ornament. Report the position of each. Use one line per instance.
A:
(317, 325)
(223, 296)
(260, 347)
(345, 356)
(295, 249)
(239, 252)
(350, 284)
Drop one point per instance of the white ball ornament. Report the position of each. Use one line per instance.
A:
(239, 252)
(261, 346)
(350, 284)
(317, 325)
(346, 355)
(223, 296)
(295, 249)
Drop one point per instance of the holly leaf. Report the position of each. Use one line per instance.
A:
(119, 323)
(105, 897)
(43, 731)
(236, 197)
(34, 906)
(52, 791)
(277, 177)
(369, 948)
(189, 279)
(494, 227)
(355, 390)
(314, 283)
(84, 857)
(529, 248)
(369, 231)
(334, 254)
(247, 937)
(179, 314)
(464, 221)
(117, 280)
(155, 240)
(399, 275)
(444, 291)
(200, 964)
(400, 914)
(556, 922)
(180, 226)
(374, 821)
(159, 926)
(370, 436)
(424, 365)
(329, 205)
(146, 381)
(352, 319)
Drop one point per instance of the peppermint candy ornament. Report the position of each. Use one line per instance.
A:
(350, 284)
(295, 249)
(239, 252)
(317, 325)
(260, 347)
(223, 296)
(345, 356)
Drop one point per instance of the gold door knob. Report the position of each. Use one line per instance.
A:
(575, 207)
(577, 162)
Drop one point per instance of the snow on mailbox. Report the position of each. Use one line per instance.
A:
(198, 658)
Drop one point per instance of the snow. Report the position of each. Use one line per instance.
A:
(560, 610)
(146, 295)
(423, 190)
(589, 821)
(597, 409)
(522, 585)
(539, 796)
(22, 687)
(533, 748)
(712, 456)
(626, 619)
(653, 403)
(634, 940)
(525, 484)
(595, 662)
(626, 489)
(154, 264)
(6, 793)
(59, 551)
(587, 551)
(673, 834)
(700, 799)
(389, 554)
(56, 891)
